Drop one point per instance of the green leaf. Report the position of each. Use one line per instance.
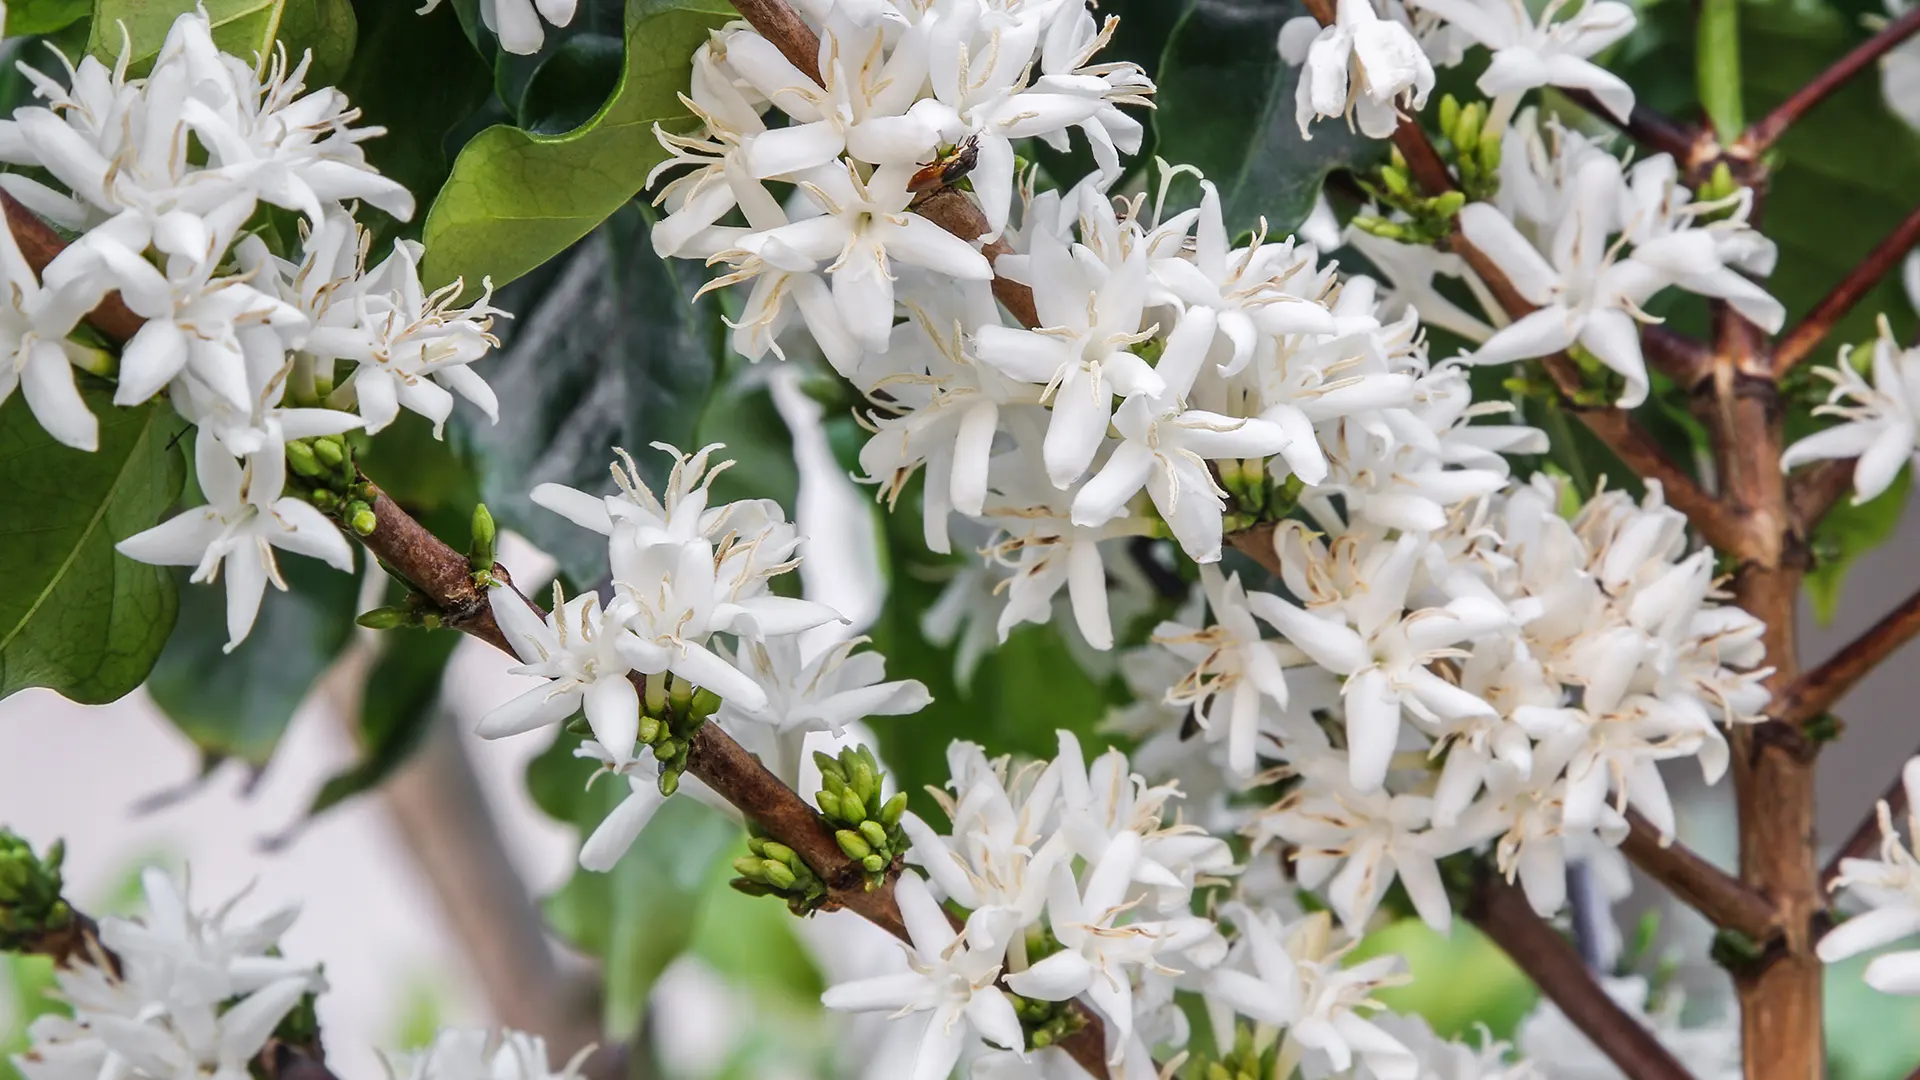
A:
(517, 199)
(238, 704)
(44, 16)
(399, 710)
(420, 104)
(1226, 105)
(636, 918)
(1847, 533)
(245, 28)
(75, 615)
(607, 350)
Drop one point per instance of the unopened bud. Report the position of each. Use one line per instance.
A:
(666, 749)
(777, 851)
(705, 702)
(750, 868)
(853, 844)
(890, 813)
(649, 729)
(360, 517)
(1448, 203)
(1449, 115)
(1466, 130)
(875, 834)
(1396, 182)
(874, 864)
(1489, 152)
(829, 767)
(862, 781)
(669, 781)
(330, 450)
(301, 460)
(828, 802)
(777, 874)
(324, 500)
(480, 553)
(852, 809)
(382, 618)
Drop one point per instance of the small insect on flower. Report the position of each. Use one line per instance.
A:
(947, 169)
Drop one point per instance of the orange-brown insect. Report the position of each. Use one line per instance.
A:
(947, 169)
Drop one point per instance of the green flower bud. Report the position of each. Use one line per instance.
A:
(330, 450)
(863, 781)
(853, 844)
(382, 618)
(777, 874)
(666, 748)
(874, 864)
(1448, 203)
(1489, 153)
(1041, 1039)
(829, 767)
(360, 518)
(705, 702)
(750, 868)
(324, 500)
(1466, 132)
(480, 552)
(875, 834)
(1396, 182)
(852, 809)
(778, 852)
(828, 802)
(1449, 115)
(301, 460)
(669, 781)
(890, 813)
(757, 844)
(649, 729)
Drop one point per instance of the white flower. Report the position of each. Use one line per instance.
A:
(238, 528)
(517, 23)
(618, 830)
(1232, 666)
(1362, 66)
(37, 359)
(950, 980)
(1890, 888)
(1882, 425)
(462, 1054)
(1292, 978)
(1585, 295)
(1528, 54)
(1559, 1050)
(582, 651)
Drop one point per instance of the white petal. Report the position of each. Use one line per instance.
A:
(620, 828)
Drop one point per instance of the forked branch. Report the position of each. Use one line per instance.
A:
(1816, 691)
(1725, 900)
(1799, 343)
(1770, 127)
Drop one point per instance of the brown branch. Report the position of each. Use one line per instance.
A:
(1796, 344)
(1686, 361)
(1648, 127)
(1865, 838)
(1813, 492)
(1764, 132)
(1502, 912)
(780, 24)
(1725, 900)
(1816, 691)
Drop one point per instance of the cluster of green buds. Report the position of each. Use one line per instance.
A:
(30, 903)
(1254, 1056)
(671, 711)
(773, 869)
(867, 829)
(1257, 495)
(323, 473)
(1046, 1023)
(1422, 219)
(1719, 186)
(416, 610)
(1471, 146)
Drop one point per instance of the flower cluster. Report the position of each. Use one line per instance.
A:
(1889, 888)
(185, 995)
(684, 572)
(469, 1054)
(162, 176)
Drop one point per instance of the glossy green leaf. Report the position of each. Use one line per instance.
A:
(238, 704)
(636, 918)
(400, 706)
(44, 16)
(75, 615)
(607, 350)
(1845, 534)
(420, 104)
(245, 28)
(1226, 106)
(517, 199)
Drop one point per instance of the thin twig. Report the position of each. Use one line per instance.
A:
(1813, 492)
(39, 244)
(1648, 127)
(1816, 691)
(1687, 361)
(1865, 837)
(1798, 343)
(1502, 913)
(1763, 133)
(1725, 900)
